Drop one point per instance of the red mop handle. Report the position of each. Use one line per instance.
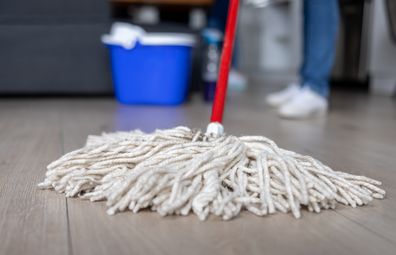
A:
(225, 63)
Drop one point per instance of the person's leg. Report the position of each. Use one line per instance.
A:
(321, 18)
(217, 19)
(218, 15)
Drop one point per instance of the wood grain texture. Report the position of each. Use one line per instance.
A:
(31, 221)
(358, 136)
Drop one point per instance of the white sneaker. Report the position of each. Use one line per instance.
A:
(279, 98)
(304, 105)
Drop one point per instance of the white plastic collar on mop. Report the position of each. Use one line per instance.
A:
(215, 129)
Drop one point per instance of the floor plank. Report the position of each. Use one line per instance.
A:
(31, 221)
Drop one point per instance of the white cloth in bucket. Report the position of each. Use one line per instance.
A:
(126, 35)
(123, 34)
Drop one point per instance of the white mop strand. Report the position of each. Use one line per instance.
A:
(177, 171)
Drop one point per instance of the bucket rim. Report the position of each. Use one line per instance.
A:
(171, 39)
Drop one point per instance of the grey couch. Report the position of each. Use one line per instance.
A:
(53, 47)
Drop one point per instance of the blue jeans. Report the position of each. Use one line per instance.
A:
(321, 18)
(217, 19)
(218, 15)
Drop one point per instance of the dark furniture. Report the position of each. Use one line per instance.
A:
(53, 47)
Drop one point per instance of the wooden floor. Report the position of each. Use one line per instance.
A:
(359, 136)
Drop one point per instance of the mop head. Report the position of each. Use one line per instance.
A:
(178, 171)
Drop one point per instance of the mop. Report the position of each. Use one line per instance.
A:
(181, 171)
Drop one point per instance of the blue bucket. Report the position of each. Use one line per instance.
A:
(156, 70)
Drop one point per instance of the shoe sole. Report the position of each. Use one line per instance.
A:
(316, 114)
(275, 105)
